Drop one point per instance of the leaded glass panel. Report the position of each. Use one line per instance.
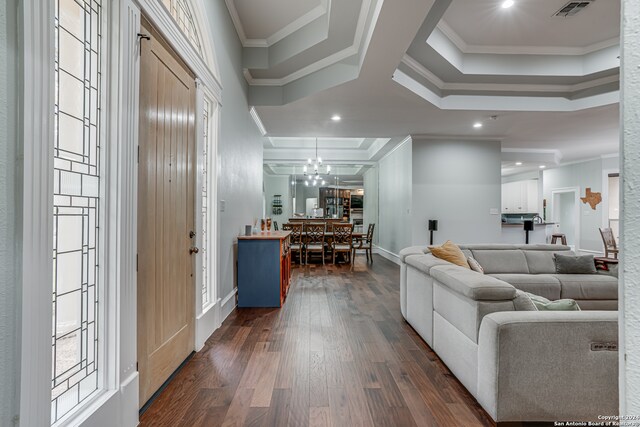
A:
(77, 204)
(181, 13)
(205, 203)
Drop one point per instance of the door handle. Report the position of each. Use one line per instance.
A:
(193, 250)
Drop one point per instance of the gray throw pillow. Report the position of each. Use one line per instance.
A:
(543, 304)
(523, 302)
(578, 264)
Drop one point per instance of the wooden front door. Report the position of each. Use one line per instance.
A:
(166, 299)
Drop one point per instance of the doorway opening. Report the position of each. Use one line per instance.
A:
(566, 214)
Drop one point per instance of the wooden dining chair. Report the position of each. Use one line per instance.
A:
(314, 232)
(342, 240)
(609, 242)
(296, 238)
(366, 244)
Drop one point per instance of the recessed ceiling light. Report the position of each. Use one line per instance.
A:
(336, 118)
(542, 166)
(477, 125)
(506, 4)
(518, 163)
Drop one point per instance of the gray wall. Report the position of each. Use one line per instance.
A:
(370, 209)
(582, 175)
(240, 147)
(278, 184)
(394, 207)
(457, 183)
(9, 216)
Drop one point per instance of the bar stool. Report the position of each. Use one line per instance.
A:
(556, 236)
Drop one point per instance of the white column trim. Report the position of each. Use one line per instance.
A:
(123, 206)
(37, 265)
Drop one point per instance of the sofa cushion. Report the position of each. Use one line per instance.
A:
(588, 286)
(545, 285)
(425, 262)
(542, 261)
(449, 251)
(575, 264)
(473, 285)
(598, 304)
(501, 260)
(412, 250)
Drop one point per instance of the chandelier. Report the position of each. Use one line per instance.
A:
(314, 176)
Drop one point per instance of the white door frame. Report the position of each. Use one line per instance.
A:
(605, 195)
(554, 211)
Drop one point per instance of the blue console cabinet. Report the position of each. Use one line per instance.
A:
(264, 269)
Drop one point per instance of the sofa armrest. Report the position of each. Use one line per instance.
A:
(412, 250)
(548, 366)
(471, 284)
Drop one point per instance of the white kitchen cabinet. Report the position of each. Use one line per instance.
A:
(520, 197)
(532, 196)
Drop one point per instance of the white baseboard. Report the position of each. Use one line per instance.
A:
(228, 304)
(387, 254)
(207, 323)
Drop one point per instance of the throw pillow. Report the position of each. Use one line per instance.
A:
(475, 265)
(523, 302)
(543, 304)
(571, 264)
(450, 252)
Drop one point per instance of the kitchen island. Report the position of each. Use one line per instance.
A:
(514, 233)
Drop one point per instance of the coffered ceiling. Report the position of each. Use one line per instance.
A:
(480, 26)
(392, 68)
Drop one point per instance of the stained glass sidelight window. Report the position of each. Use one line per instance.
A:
(205, 202)
(181, 13)
(77, 204)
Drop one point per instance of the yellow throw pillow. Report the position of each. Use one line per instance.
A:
(450, 252)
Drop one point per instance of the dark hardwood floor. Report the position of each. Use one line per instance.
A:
(338, 353)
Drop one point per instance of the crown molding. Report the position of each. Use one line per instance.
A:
(292, 27)
(464, 47)
(503, 87)
(557, 155)
(309, 69)
(322, 63)
(512, 102)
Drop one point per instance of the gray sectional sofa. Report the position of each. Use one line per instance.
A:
(519, 365)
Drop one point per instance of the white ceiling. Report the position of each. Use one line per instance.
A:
(531, 23)
(550, 105)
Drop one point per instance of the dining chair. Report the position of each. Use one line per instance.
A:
(314, 232)
(342, 240)
(366, 244)
(609, 242)
(296, 238)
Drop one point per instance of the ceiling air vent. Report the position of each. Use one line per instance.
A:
(572, 8)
